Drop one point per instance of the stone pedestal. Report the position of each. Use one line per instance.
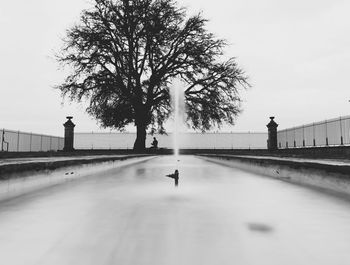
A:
(68, 135)
(272, 135)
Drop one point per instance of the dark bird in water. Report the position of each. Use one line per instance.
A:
(175, 176)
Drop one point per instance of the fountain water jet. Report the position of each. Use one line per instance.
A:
(176, 121)
(178, 106)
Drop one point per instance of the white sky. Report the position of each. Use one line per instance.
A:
(297, 54)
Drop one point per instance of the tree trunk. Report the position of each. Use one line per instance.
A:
(140, 142)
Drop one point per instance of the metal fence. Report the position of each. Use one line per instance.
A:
(246, 140)
(332, 132)
(17, 141)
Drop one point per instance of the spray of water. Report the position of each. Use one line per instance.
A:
(177, 106)
(176, 120)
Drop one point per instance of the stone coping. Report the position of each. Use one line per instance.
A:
(16, 165)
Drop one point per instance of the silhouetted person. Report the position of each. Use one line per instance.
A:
(175, 176)
(155, 143)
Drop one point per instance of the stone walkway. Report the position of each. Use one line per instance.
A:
(26, 160)
(333, 162)
(14, 165)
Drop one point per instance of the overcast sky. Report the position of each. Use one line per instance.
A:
(296, 53)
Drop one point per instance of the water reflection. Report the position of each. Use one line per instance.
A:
(258, 227)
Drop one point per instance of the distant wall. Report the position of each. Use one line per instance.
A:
(17, 141)
(246, 140)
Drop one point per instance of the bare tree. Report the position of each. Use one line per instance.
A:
(124, 55)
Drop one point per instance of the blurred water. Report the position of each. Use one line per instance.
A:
(135, 215)
(177, 97)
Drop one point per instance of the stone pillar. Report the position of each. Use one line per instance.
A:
(68, 135)
(2, 140)
(272, 135)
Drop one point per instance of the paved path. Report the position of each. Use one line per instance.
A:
(16, 165)
(26, 160)
(332, 162)
(135, 216)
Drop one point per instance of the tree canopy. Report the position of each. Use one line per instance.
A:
(124, 56)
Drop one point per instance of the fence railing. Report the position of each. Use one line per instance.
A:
(333, 132)
(17, 141)
(245, 140)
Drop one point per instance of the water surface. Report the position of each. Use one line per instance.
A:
(134, 215)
